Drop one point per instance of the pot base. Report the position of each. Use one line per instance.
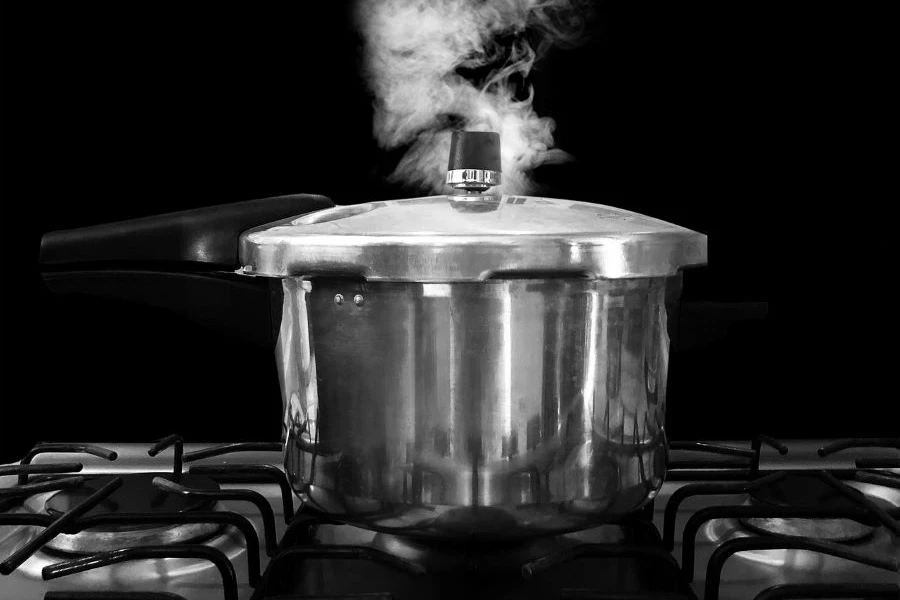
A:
(482, 524)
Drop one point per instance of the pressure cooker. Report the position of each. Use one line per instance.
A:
(473, 365)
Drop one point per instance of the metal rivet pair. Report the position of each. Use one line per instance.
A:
(357, 299)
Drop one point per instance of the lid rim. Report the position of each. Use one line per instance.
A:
(499, 241)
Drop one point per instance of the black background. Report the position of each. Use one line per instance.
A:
(116, 111)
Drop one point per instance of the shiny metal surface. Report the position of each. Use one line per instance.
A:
(455, 239)
(193, 579)
(470, 179)
(746, 574)
(504, 409)
(90, 541)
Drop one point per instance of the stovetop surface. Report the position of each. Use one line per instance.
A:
(749, 573)
(554, 569)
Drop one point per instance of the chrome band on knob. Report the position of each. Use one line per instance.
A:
(473, 178)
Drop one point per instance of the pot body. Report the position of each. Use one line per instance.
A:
(499, 410)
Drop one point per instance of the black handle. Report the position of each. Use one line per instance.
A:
(174, 262)
(201, 238)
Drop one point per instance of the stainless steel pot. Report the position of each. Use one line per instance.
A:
(498, 409)
(473, 365)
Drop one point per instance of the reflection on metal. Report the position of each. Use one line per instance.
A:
(534, 405)
(878, 541)
(101, 540)
(471, 237)
(473, 179)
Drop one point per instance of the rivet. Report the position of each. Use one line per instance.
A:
(358, 300)
(338, 299)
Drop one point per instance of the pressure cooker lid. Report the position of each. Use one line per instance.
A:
(471, 238)
(472, 235)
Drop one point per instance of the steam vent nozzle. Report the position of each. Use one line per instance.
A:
(474, 160)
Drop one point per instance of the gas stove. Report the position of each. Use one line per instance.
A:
(764, 519)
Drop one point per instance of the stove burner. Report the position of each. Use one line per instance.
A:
(802, 490)
(833, 530)
(137, 495)
(808, 491)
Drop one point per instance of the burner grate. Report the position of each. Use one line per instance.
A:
(103, 559)
(800, 591)
(860, 509)
(698, 519)
(745, 466)
(375, 596)
(9, 497)
(63, 595)
(57, 526)
(44, 448)
(731, 547)
(252, 474)
(254, 498)
(644, 548)
(75, 519)
(644, 554)
(595, 595)
(218, 517)
(859, 443)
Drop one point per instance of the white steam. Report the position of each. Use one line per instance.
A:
(413, 49)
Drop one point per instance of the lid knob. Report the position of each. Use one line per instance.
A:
(474, 160)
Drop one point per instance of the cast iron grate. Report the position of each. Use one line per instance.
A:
(859, 508)
(731, 547)
(744, 465)
(298, 542)
(644, 551)
(885, 591)
(63, 595)
(74, 520)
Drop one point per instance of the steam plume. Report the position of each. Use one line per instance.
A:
(417, 53)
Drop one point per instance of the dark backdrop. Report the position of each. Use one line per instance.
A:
(123, 110)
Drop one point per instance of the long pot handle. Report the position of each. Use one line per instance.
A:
(198, 239)
(182, 261)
